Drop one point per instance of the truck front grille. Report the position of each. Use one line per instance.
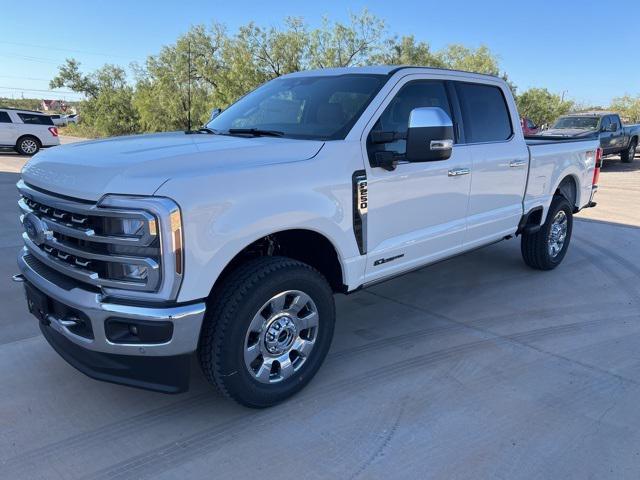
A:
(102, 247)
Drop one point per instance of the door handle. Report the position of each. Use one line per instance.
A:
(456, 172)
(517, 163)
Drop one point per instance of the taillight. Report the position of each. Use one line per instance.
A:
(54, 131)
(596, 171)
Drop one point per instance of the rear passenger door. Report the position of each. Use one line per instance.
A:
(499, 159)
(7, 130)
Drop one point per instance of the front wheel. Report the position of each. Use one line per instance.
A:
(628, 155)
(546, 248)
(267, 331)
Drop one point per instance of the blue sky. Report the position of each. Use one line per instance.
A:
(590, 50)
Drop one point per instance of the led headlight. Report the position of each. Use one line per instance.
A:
(148, 242)
(136, 273)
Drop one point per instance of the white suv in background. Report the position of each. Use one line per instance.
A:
(26, 131)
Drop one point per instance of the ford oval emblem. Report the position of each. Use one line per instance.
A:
(35, 228)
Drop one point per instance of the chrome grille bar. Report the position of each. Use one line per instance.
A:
(78, 243)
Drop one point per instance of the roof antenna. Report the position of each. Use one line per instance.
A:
(189, 90)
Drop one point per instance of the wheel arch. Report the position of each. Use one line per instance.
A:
(28, 135)
(303, 244)
(568, 188)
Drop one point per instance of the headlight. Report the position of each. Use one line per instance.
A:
(155, 225)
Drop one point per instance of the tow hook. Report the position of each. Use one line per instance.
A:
(18, 278)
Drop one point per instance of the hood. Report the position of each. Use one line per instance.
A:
(568, 132)
(139, 164)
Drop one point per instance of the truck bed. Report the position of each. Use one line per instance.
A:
(550, 160)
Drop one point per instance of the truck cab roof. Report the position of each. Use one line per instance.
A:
(382, 70)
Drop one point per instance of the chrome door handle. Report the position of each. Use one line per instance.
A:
(456, 172)
(517, 163)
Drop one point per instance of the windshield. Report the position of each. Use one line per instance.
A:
(315, 108)
(590, 123)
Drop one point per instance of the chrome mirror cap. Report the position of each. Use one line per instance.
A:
(427, 117)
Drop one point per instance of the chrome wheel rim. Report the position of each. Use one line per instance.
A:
(281, 336)
(558, 233)
(29, 146)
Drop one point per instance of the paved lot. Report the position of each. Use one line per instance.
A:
(473, 368)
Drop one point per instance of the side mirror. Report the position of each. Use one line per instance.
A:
(430, 135)
(214, 113)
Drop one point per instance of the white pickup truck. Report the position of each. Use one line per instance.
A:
(231, 241)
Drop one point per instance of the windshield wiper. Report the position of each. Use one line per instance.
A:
(256, 132)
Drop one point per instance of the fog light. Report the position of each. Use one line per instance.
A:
(135, 272)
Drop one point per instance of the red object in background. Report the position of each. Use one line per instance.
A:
(528, 127)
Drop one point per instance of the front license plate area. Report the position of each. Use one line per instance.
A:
(38, 303)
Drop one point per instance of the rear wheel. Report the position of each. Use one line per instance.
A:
(628, 155)
(546, 248)
(267, 331)
(28, 145)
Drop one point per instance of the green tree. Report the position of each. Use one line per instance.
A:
(226, 66)
(628, 107)
(542, 106)
(406, 51)
(337, 44)
(478, 60)
(108, 109)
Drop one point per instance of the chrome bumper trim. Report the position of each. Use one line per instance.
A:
(186, 319)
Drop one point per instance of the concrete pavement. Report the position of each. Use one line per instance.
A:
(477, 367)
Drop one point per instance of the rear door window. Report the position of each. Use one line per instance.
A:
(4, 117)
(35, 119)
(485, 114)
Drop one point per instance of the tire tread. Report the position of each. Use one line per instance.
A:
(223, 304)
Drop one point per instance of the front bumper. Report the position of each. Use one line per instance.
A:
(155, 366)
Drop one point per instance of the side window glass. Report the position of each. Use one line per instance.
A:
(395, 117)
(606, 121)
(35, 119)
(615, 121)
(4, 117)
(485, 114)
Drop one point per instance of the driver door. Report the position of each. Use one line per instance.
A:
(417, 212)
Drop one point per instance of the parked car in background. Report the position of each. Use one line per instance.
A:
(231, 240)
(528, 127)
(72, 118)
(26, 131)
(615, 138)
(58, 120)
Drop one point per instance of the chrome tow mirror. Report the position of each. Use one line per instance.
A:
(430, 135)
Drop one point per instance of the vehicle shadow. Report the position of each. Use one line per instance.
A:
(614, 164)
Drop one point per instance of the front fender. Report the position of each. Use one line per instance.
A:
(229, 213)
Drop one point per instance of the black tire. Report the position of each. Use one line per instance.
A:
(629, 154)
(230, 312)
(535, 246)
(28, 145)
